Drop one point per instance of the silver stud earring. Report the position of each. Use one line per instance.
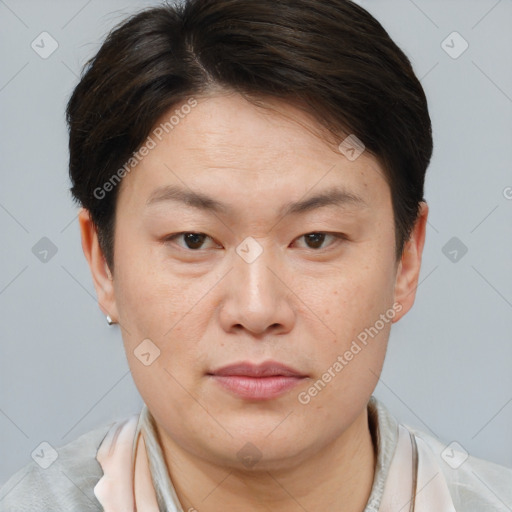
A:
(109, 320)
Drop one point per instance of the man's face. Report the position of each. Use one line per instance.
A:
(260, 281)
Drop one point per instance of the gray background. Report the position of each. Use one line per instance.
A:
(63, 370)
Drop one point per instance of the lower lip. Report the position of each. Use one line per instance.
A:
(257, 388)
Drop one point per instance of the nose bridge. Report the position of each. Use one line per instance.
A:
(255, 297)
(252, 272)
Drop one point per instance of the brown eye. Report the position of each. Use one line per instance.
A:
(193, 241)
(317, 239)
(314, 240)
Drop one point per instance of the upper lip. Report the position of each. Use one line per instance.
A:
(266, 369)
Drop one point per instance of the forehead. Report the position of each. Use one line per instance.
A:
(228, 148)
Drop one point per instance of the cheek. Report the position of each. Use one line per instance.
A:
(353, 299)
(164, 309)
(350, 361)
(148, 301)
(350, 305)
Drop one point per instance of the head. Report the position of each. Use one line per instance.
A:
(251, 181)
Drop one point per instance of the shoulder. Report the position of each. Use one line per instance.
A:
(67, 483)
(474, 484)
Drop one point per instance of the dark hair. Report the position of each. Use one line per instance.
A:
(331, 57)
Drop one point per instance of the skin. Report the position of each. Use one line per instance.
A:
(298, 303)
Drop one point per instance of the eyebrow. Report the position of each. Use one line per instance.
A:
(331, 197)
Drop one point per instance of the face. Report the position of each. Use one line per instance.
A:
(242, 237)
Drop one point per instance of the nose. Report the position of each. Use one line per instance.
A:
(257, 296)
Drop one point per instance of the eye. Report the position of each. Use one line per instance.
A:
(193, 241)
(315, 240)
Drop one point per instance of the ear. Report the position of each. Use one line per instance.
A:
(101, 275)
(408, 270)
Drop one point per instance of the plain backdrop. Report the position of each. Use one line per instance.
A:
(63, 371)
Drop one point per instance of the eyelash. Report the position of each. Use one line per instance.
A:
(338, 236)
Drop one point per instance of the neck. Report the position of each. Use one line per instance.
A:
(338, 478)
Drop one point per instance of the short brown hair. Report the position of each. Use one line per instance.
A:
(331, 56)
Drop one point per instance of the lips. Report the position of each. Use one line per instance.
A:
(267, 369)
(257, 382)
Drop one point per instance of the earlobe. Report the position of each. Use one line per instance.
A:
(408, 269)
(101, 275)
